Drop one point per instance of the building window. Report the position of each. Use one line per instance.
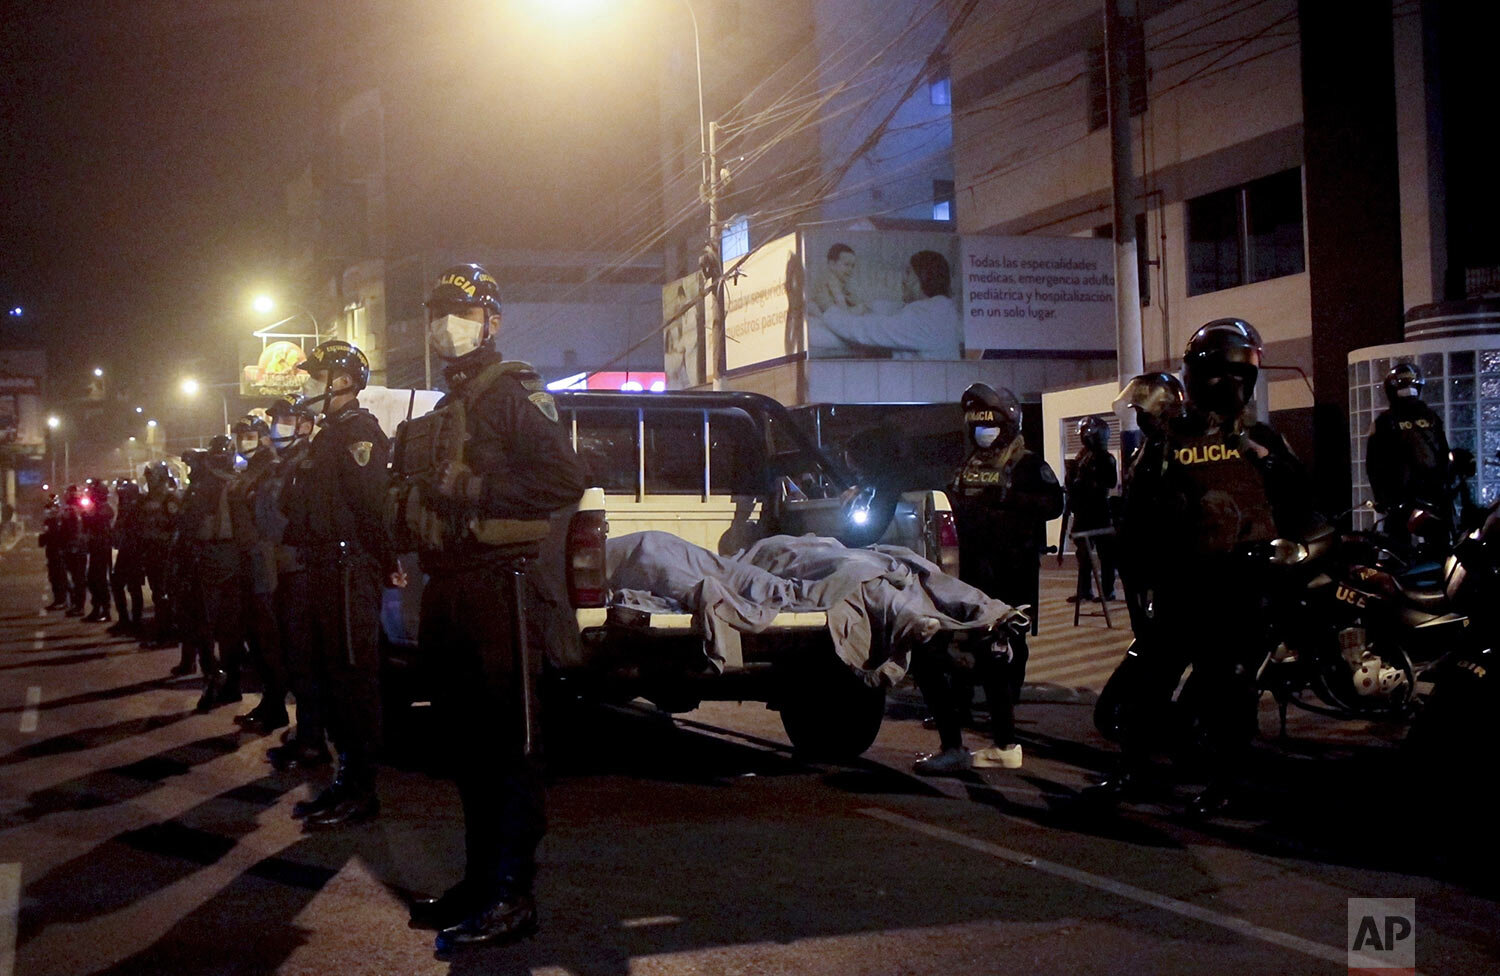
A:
(1098, 78)
(940, 92)
(1245, 233)
(942, 199)
(734, 242)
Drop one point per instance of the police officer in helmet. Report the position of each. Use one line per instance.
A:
(1092, 475)
(51, 541)
(1205, 495)
(479, 516)
(1407, 456)
(334, 510)
(1002, 498)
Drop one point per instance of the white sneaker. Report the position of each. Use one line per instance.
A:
(997, 757)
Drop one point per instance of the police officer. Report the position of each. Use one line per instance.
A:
(255, 510)
(335, 518)
(98, 529)
(51, 541)
(128, 573)
(1003, 497)
(292, 426)
(1202, 496)
(1091, 476)
(184, 582)
(75, 547)
(209, 526)
(1406, 456)
(159, 507)
(478, 517)
(1156, 399)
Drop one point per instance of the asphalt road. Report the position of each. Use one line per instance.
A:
(137, 837)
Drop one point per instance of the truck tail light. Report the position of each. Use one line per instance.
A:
(946, 533)
(587, 533)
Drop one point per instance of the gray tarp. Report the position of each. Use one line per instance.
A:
(881, 601)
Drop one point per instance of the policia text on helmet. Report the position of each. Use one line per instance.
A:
(463, 311)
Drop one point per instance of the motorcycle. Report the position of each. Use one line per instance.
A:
(1347, 623)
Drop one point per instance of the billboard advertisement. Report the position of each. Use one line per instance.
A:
(685, 352)
(22, 375)
(273, 371)
(883, 295)
(763, 306)
(1038, 293)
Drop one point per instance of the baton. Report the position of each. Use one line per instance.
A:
(518, 619)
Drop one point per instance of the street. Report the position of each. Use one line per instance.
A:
(137, 837)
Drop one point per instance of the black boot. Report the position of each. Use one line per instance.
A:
(263, 718)
(507, 921)
(358, 805)
(187, 665)
(97, 616)
(330, 797)
(209, 700)
(453, 907)
(298, 754)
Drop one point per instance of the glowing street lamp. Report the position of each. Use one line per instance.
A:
(190, 387)
(54, 421)
(98, 371)
(264, 304)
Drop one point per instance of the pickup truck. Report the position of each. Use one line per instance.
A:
(720, 470)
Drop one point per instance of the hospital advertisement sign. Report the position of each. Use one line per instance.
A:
(1038, 293)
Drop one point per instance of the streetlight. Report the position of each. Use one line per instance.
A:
(140, 409)
(98, 371)
(191, 387)
(54, 423)
(265, 305)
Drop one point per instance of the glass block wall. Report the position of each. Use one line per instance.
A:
(1463, 386)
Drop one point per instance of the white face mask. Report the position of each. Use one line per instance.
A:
(313, 389)
(283, 434)
(986, 436)
(248, 445)
(453, 336)
(1408, 391)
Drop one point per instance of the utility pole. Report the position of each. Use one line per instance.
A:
(1119, 27)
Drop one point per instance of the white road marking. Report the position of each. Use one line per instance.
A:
(38, 640)
(1239, 926)
(648, 922)
(29, 713)
(551, 971)
(10, 901)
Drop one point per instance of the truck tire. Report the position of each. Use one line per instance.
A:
(828, 712)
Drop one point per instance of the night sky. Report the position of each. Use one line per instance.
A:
(147, 145)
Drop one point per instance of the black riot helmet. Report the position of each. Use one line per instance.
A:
(99, 492)
(128, 492)
(1094, 432)
(1220, 365)
(1156, 398)
(333, 359)
(993, 417)
(452, 329)
(220, 453)
(288, 411)
(1403, 382)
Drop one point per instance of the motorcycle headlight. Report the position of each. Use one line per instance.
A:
(1286, 552)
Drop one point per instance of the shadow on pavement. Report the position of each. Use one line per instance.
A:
(730, 845)
(119, 784)
(80, 740)
(103, 694)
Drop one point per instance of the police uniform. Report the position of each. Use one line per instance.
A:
(294, 602)
(128, 573)
(335, 520)
(1091, 476)
(1201, 498)
(1406, 457)
(254, 507)
(159, 509)
(475, 548)
(51, 542)
(208, 528)
(98, 529)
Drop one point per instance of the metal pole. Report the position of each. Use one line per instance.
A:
(715, 248)
(224, 401)
(1119, 19)
(703, 166)
(67, 462)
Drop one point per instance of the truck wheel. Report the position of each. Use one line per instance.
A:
(829, 713)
